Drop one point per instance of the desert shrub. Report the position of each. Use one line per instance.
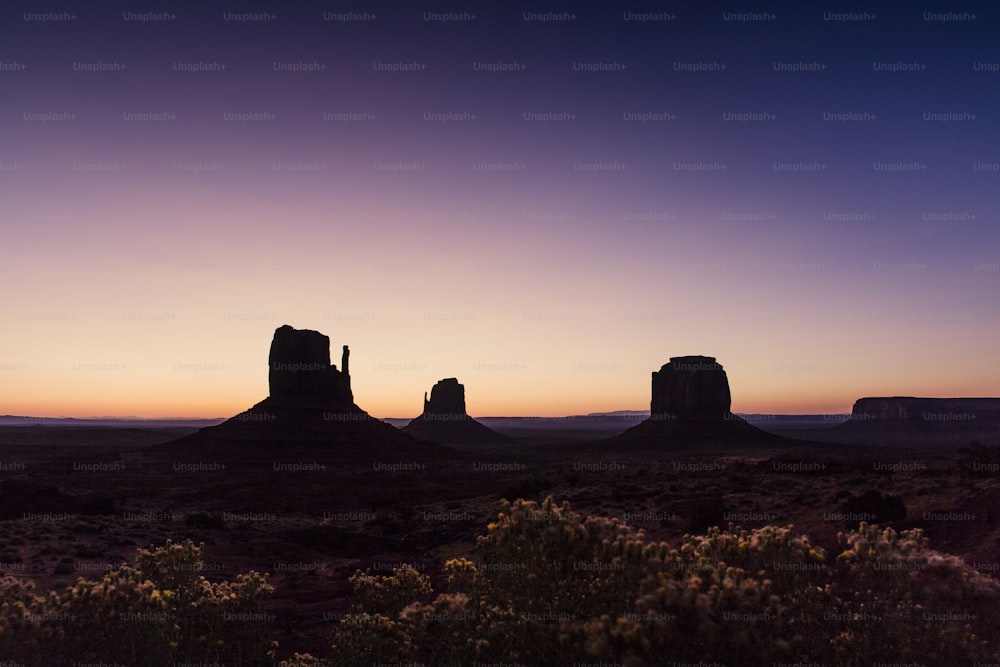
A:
(220, 622)
(374, 633)
(876, 506)
(366, 639)
(389, 593)
(117, 618)
(158, 612)
(741, 482)
(734, 596)
(551, 587)
(979, 460)
(546, 570)
(526, 488)
(21, 611)
(87, 551)
(705, 513)
(64, 566)
(903, 601)
(302, 660)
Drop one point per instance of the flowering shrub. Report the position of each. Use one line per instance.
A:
(157, 612)
(375, 633)
(21, 619)
(905, 601)
(551, 587)
(547, 586)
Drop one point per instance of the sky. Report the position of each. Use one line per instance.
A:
(545, 203)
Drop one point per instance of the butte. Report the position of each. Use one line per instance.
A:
(444, 419)
(309, 412)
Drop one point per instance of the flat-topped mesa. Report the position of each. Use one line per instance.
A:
(894, 408)
(447, 398)
(926, 411)
(692, 387)
(299, 369)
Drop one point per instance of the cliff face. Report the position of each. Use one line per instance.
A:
(925, 411)
(447, 398)
(690, 405)
(692, 387)
(299, 369)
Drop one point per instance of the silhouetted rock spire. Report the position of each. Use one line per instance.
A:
(299, 368)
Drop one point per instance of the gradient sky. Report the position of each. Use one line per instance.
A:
(520, 230)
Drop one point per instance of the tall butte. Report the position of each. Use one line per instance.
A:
(691, 403)
(300, 373)
(310, 409)
(445, 420)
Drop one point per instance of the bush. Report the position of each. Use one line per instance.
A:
(548, 586)
(158, 612)
(906, 602)
(877, 507)
(526, 488)
(552, 587)
(705, 513)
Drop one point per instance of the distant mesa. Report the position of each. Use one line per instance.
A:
(691, 403)
(310, 404)
(445, 420)
(933, 414)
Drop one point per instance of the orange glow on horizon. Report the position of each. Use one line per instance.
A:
(195, 381)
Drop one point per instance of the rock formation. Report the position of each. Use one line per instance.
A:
(690, 404)
(445, 420)
(310, 408)
(447, 398)
(299, 369)
(927, 411)
(691, 388)
(903, 420)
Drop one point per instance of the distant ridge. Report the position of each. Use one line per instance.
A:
(903, 414)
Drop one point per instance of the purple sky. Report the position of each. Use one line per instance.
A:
(549, 233)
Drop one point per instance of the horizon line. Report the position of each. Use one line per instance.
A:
(127, 418)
